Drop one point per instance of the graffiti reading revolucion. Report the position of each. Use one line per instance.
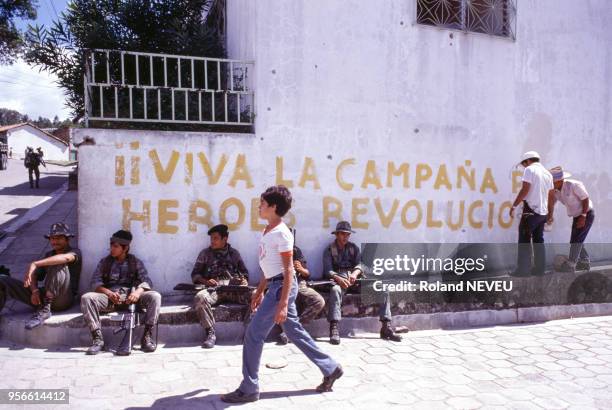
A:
(356, 179)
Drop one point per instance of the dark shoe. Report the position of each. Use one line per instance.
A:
(237, 396)
(334, 334)
(387, 333)
(583, 265)
(39, 317)
(328, 381)
(211, 338)
(98, 343)
(146, 343)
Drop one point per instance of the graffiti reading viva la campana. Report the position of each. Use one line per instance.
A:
(367, 192)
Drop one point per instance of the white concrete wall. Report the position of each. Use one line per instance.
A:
(21, 138)
(344, 88)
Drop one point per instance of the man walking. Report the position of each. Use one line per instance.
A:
(278, 305)
(573, 194)
(535, 194)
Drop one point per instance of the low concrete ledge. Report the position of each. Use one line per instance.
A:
(178, 324)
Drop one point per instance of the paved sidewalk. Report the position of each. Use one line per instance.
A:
(557, 365)
(28, 243)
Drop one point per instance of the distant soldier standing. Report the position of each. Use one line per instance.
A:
(219, 264)
(32, 161)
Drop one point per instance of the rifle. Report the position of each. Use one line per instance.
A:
(127, 326)
(193, 287)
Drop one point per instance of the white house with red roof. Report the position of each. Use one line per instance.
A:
(21, 136)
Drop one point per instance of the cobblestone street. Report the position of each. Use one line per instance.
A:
(561, 364)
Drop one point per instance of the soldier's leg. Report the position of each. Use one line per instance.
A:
(57, 289)
(384, 307)
(31, 177)
(151, 301)
(334, 308)
(203, 303)
(311, 303)
(92, 303)
(37, 173)
(334, 313)
(13, 288)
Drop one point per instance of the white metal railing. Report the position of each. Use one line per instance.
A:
(131, 86)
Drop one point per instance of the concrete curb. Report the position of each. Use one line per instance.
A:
(12, 327)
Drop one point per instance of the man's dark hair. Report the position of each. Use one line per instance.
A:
(280, 196)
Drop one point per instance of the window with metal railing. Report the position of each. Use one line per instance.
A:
(128, 86)
(493, 17)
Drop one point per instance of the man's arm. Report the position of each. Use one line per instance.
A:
(520, 197)
(552, 200)
(288, 277)
(241, 268)
(31, 279)
(199, 267)
(328, 264)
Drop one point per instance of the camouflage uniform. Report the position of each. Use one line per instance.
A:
(60, 280)
(308, 301)
(223, 265)
(119, 277)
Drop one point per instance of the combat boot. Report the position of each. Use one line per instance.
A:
(98, 343)
(210, 339)
(387, 333)
(40, 316)
(334, 334)
(146, 343)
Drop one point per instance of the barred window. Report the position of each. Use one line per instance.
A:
(494, 17)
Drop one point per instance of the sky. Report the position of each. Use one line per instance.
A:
(24, 88)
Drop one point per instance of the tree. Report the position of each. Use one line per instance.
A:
(158, 26)
(11, 41)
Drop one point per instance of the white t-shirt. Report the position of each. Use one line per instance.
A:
(278, 240)
(571, 195)
(541, 183)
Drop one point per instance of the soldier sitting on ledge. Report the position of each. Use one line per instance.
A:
(219, 264)
(59, 270)
(341, 264)
(120, 280)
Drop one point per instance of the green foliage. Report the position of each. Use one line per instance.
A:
(11, 41)
(168, 26)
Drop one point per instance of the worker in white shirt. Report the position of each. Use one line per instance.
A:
(536, 192)
(574, 196)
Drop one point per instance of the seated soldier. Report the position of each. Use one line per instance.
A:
(218, 265)
(119, 280)
(59, 271)
(341, 263)
(308, 301)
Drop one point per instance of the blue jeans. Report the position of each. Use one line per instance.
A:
(577, 250)
(260, 326)
(334, 312)
(531, 230)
